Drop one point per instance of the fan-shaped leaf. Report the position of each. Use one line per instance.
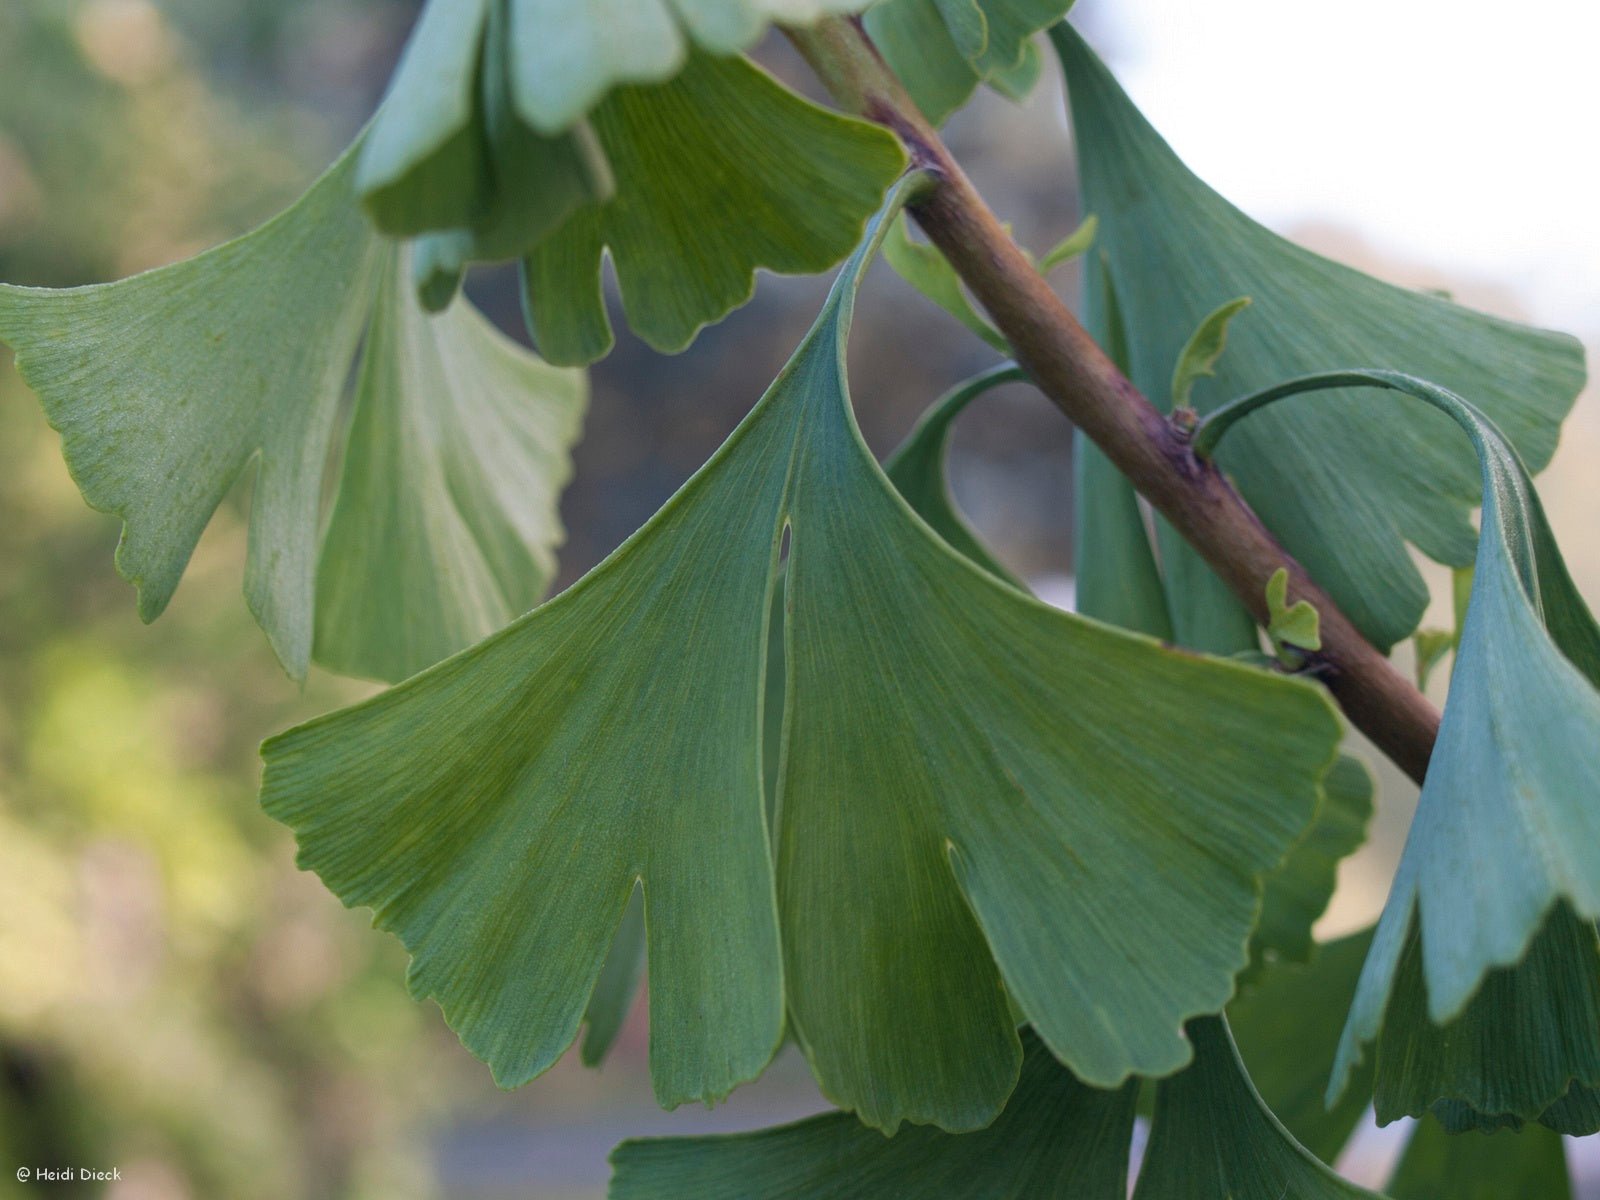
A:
(1344, 500)
(1056, 1140)
(1504, 839)
(166, 385)
(959, 761)
(719, 172)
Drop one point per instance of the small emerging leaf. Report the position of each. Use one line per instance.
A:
(1202, 351)
(1291, 627)
(1072, 246)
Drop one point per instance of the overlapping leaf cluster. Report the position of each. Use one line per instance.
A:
(553, 132)
(1002, 756)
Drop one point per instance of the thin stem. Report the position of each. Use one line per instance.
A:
(1067, 366)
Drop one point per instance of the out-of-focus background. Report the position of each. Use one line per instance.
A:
(176, 1001)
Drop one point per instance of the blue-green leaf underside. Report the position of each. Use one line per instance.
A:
(720, 172)
(167, 385)
(974, 787)
(1346, 481)
(1504, 843)
(1056, 1140)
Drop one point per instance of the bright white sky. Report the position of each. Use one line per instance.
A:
(1458, 133)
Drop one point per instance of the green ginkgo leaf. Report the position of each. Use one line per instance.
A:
(1297, 893)
(445, 525)
(618, 981)
(1200, 354)
(1475, 1166)
(1511, 1054)
(1056, 1140)
(1345, 500)
(974, 787)
(165, 386)
(1484, 974)
(1113, 563)
(1287, 1026)
(719, 172)
(917, 467)
(922, 266)
(1213, 1138)
(943, 49)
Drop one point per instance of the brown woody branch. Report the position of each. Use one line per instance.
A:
(1070, 368)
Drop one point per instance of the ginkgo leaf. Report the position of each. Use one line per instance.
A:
(974, 787)
(1344, 501)
(1287, 1025)
(615, 988)
(1200, 354)
(445, 525)
(1297, 893)
(942, 49)
(1505, 1166)
(1484, 974)
(165, 386)
(922, 266)
(917, 467)
(569, 56)
(1056, 1140)
(1511, 1054)
(1114, 566)
(719, 172)
(1214, 1139)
